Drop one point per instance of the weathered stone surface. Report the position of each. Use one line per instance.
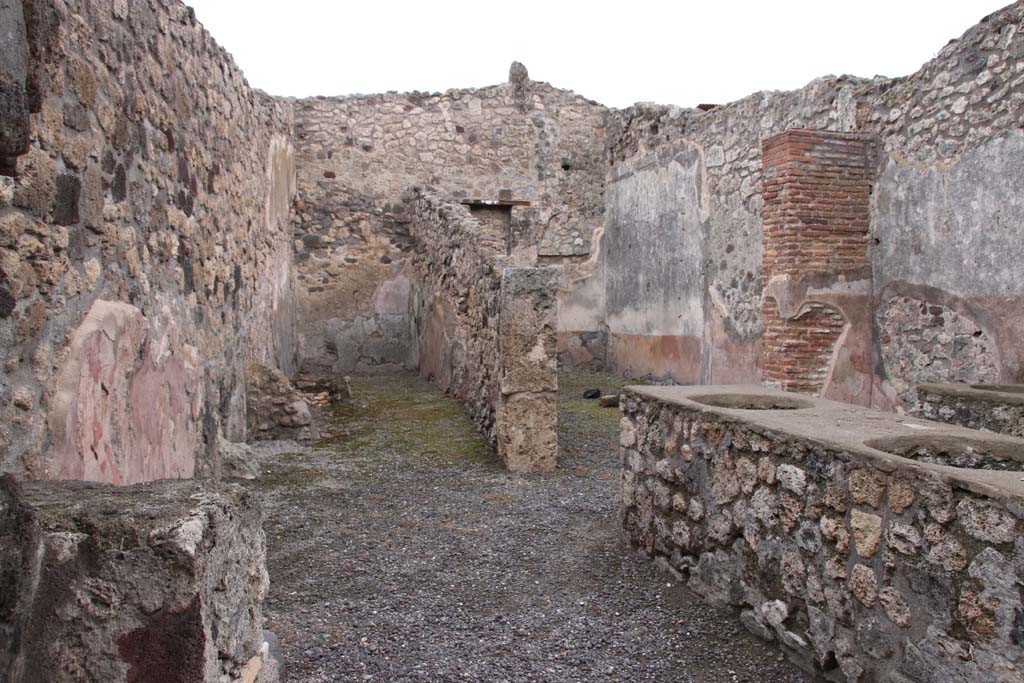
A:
(867, 532)
(14, 104)
(527, 440)
(275, 408)
(487, 331)
(115, 421)
(163, 581)
(879, 570)
(162, 184)
(993, 408)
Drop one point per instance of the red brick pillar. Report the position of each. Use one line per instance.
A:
(817, 186)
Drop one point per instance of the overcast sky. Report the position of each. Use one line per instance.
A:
(682, 52)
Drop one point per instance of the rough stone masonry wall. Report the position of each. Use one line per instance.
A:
(944, 204)
(162, 582)
(144, 251)
(862, 565)
(946, 211)
(487, 331)
(523, 142)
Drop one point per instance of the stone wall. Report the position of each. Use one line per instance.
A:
(487, 330)
(949, 304)
(709, 162)
(524, 144)
(144, 251)
(870, 546)
(943, 205)
(989, 407)
(162, 582)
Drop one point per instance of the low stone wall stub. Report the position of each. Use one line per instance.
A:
(156, 582)
(991, 407)
(487, 330)
(871, 546)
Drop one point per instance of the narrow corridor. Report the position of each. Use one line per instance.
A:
(399, 551)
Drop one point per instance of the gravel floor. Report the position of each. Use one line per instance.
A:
(399, 551)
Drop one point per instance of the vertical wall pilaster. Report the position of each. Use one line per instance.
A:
(527, 411)
(817, 272)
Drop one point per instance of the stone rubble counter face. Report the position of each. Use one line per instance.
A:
(163, 581)
(859, 572)
(487, 332)
(144, 251)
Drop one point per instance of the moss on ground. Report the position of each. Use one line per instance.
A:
(583, 425)
(405, 414)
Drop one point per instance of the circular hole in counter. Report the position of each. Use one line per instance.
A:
(952, 451)
(1001, 388)
(752, 401)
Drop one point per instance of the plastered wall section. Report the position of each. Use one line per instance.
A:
(944, 304)
(144, 251)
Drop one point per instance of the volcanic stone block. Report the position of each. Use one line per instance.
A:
(156, 582)
(527, 344)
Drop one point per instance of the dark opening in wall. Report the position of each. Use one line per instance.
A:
(495, 218)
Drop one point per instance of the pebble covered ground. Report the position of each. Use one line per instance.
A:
(399, 551)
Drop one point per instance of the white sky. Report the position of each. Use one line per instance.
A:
(685, 52)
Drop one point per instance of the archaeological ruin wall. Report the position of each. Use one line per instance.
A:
(942, 303)
(156, 582)
(486, 330)
(145, 257)
(527, 158)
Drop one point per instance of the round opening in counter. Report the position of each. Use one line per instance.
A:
(752, 401)
(1001, 388)
(952, 451)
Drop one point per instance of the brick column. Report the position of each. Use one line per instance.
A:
(817, 186)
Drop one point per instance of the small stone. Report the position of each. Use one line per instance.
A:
(866, 487)
(792, 479)
(592, 393)
(627, 433)
(863, 584)
(609, 401)
(867, 532)
(749, 620)
(695, 509)
(773, 612)
(949, 555)
(23, 398)
(895, 606)
(986, 521)
(901, 494)
(904, 538)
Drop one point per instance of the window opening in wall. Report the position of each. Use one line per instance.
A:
(495, 218)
